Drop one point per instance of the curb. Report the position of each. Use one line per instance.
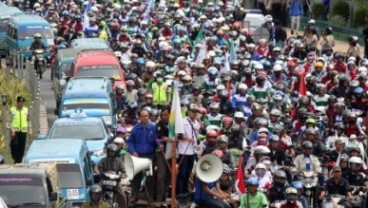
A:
(44, 125)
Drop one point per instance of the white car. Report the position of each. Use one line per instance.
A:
(2, 203)
(255, 18)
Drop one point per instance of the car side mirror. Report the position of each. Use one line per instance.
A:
(41, 137)
(53, 196)
(89, 182)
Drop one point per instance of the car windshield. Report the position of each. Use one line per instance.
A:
(65, 68)
(99, 71)
(16, 190)
(70, 175)
(29, 31)
(87, 103)
(78, 130)
(4, 24)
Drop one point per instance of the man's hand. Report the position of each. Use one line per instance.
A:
(135, 154)
(190, 140)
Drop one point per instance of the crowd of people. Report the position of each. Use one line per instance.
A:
(279, 106)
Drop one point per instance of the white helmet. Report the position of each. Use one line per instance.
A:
(220, 87)
(150, 64)
(357, 160)
(291, 190)
(258, 67)
(119, 140)
(262, 150)
(243, 86)
(261, 166)
(277, 68)
(268, 18)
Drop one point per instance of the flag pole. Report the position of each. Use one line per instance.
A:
(173, 174)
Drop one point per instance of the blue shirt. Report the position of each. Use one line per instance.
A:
(143, 139)
(199, 194)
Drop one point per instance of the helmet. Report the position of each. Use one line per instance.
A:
(253, 181)
(339, 125)
(318, 64)
(280, 177)
(297, 184)
(119, 140)
(65, 13)
(356, 160)
(218, 153)
(242, 86)
(332, 98)
(227, 119)
(310, 130)
(277, 68)
(291, 190)
(223, 139)
(358, 90)
(261, 150)
(37, 35)
(112, 148)
(212, 71)
(260, 166)
(121, 130)
(268, 18)
(95, 189)
(132, 104)
(307, 144)
(120, 87)
(220, 87)
(140, 61)
(141, 91)
(274, 138)
(275, 112)
(304, 100)
(130, 83)
(212, 134)
(344, 157)
(310, 120)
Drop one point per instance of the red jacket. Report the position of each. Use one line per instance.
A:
(340, 67)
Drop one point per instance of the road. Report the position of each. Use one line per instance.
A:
(47, 96)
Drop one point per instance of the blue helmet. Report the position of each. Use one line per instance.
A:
(253, 181)
(140, 61)
(358, 90)
(65, 13)
(297, 184)
(267, 65)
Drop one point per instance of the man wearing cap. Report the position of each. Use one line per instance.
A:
(186, 150)
(337, 185)
(19, 128)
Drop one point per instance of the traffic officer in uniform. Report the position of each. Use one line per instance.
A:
(19, 128)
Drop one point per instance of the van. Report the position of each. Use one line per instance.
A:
(73, 166)
(60, 69)
(90, 43)
(95, 95)
(98, 63)
(25, 185)
(5, 13)
(20, 35)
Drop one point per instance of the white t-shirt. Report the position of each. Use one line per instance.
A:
(191, 130)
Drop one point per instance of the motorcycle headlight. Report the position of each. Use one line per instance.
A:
(107, 119)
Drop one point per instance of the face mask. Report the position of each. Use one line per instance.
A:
(160, 80)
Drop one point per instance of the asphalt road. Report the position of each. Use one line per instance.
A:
(47, 96)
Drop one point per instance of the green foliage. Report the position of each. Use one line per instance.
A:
(338, 20)
(359, 16)
(342, 9)
(318, 11)
(361, 4)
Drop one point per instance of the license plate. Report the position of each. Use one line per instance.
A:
(72, 194)
(109, 183)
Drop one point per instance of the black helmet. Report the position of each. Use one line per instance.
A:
(260, 80)
(141, 91)
(132, 104)
(339, 125)
(307, 144)
(304, 100)
(279, 177)
(96, 189)
(332, 98)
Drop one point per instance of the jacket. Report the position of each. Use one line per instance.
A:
(296, 8)
(300, 164)
(142, 140)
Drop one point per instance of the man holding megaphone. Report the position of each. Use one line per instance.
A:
(142, 143)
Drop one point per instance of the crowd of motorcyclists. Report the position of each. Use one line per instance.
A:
(293, 112)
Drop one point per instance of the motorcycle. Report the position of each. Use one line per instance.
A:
(40, 62)
(310, 182)
(332, 201)
(110, 180)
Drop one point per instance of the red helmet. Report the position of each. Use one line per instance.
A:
(203, 111)
(227, 119)
(211, 137)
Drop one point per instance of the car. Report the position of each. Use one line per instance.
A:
(73, 164)
(36, 185)
(60, 68)
(20, 35)
(98, 63)
(5, 13)
(93, 130)
(2, 203)
(95, 95)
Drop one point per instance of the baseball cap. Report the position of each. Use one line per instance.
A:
(336, 169)
(20, 99)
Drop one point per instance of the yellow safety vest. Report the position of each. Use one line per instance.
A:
(159, 94)
(19, 119)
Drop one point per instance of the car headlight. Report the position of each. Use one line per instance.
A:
(98, 153)
(107, 119)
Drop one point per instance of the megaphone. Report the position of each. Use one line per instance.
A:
(134, 165)
(209, 168)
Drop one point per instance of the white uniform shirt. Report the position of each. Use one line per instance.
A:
(191, 130)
